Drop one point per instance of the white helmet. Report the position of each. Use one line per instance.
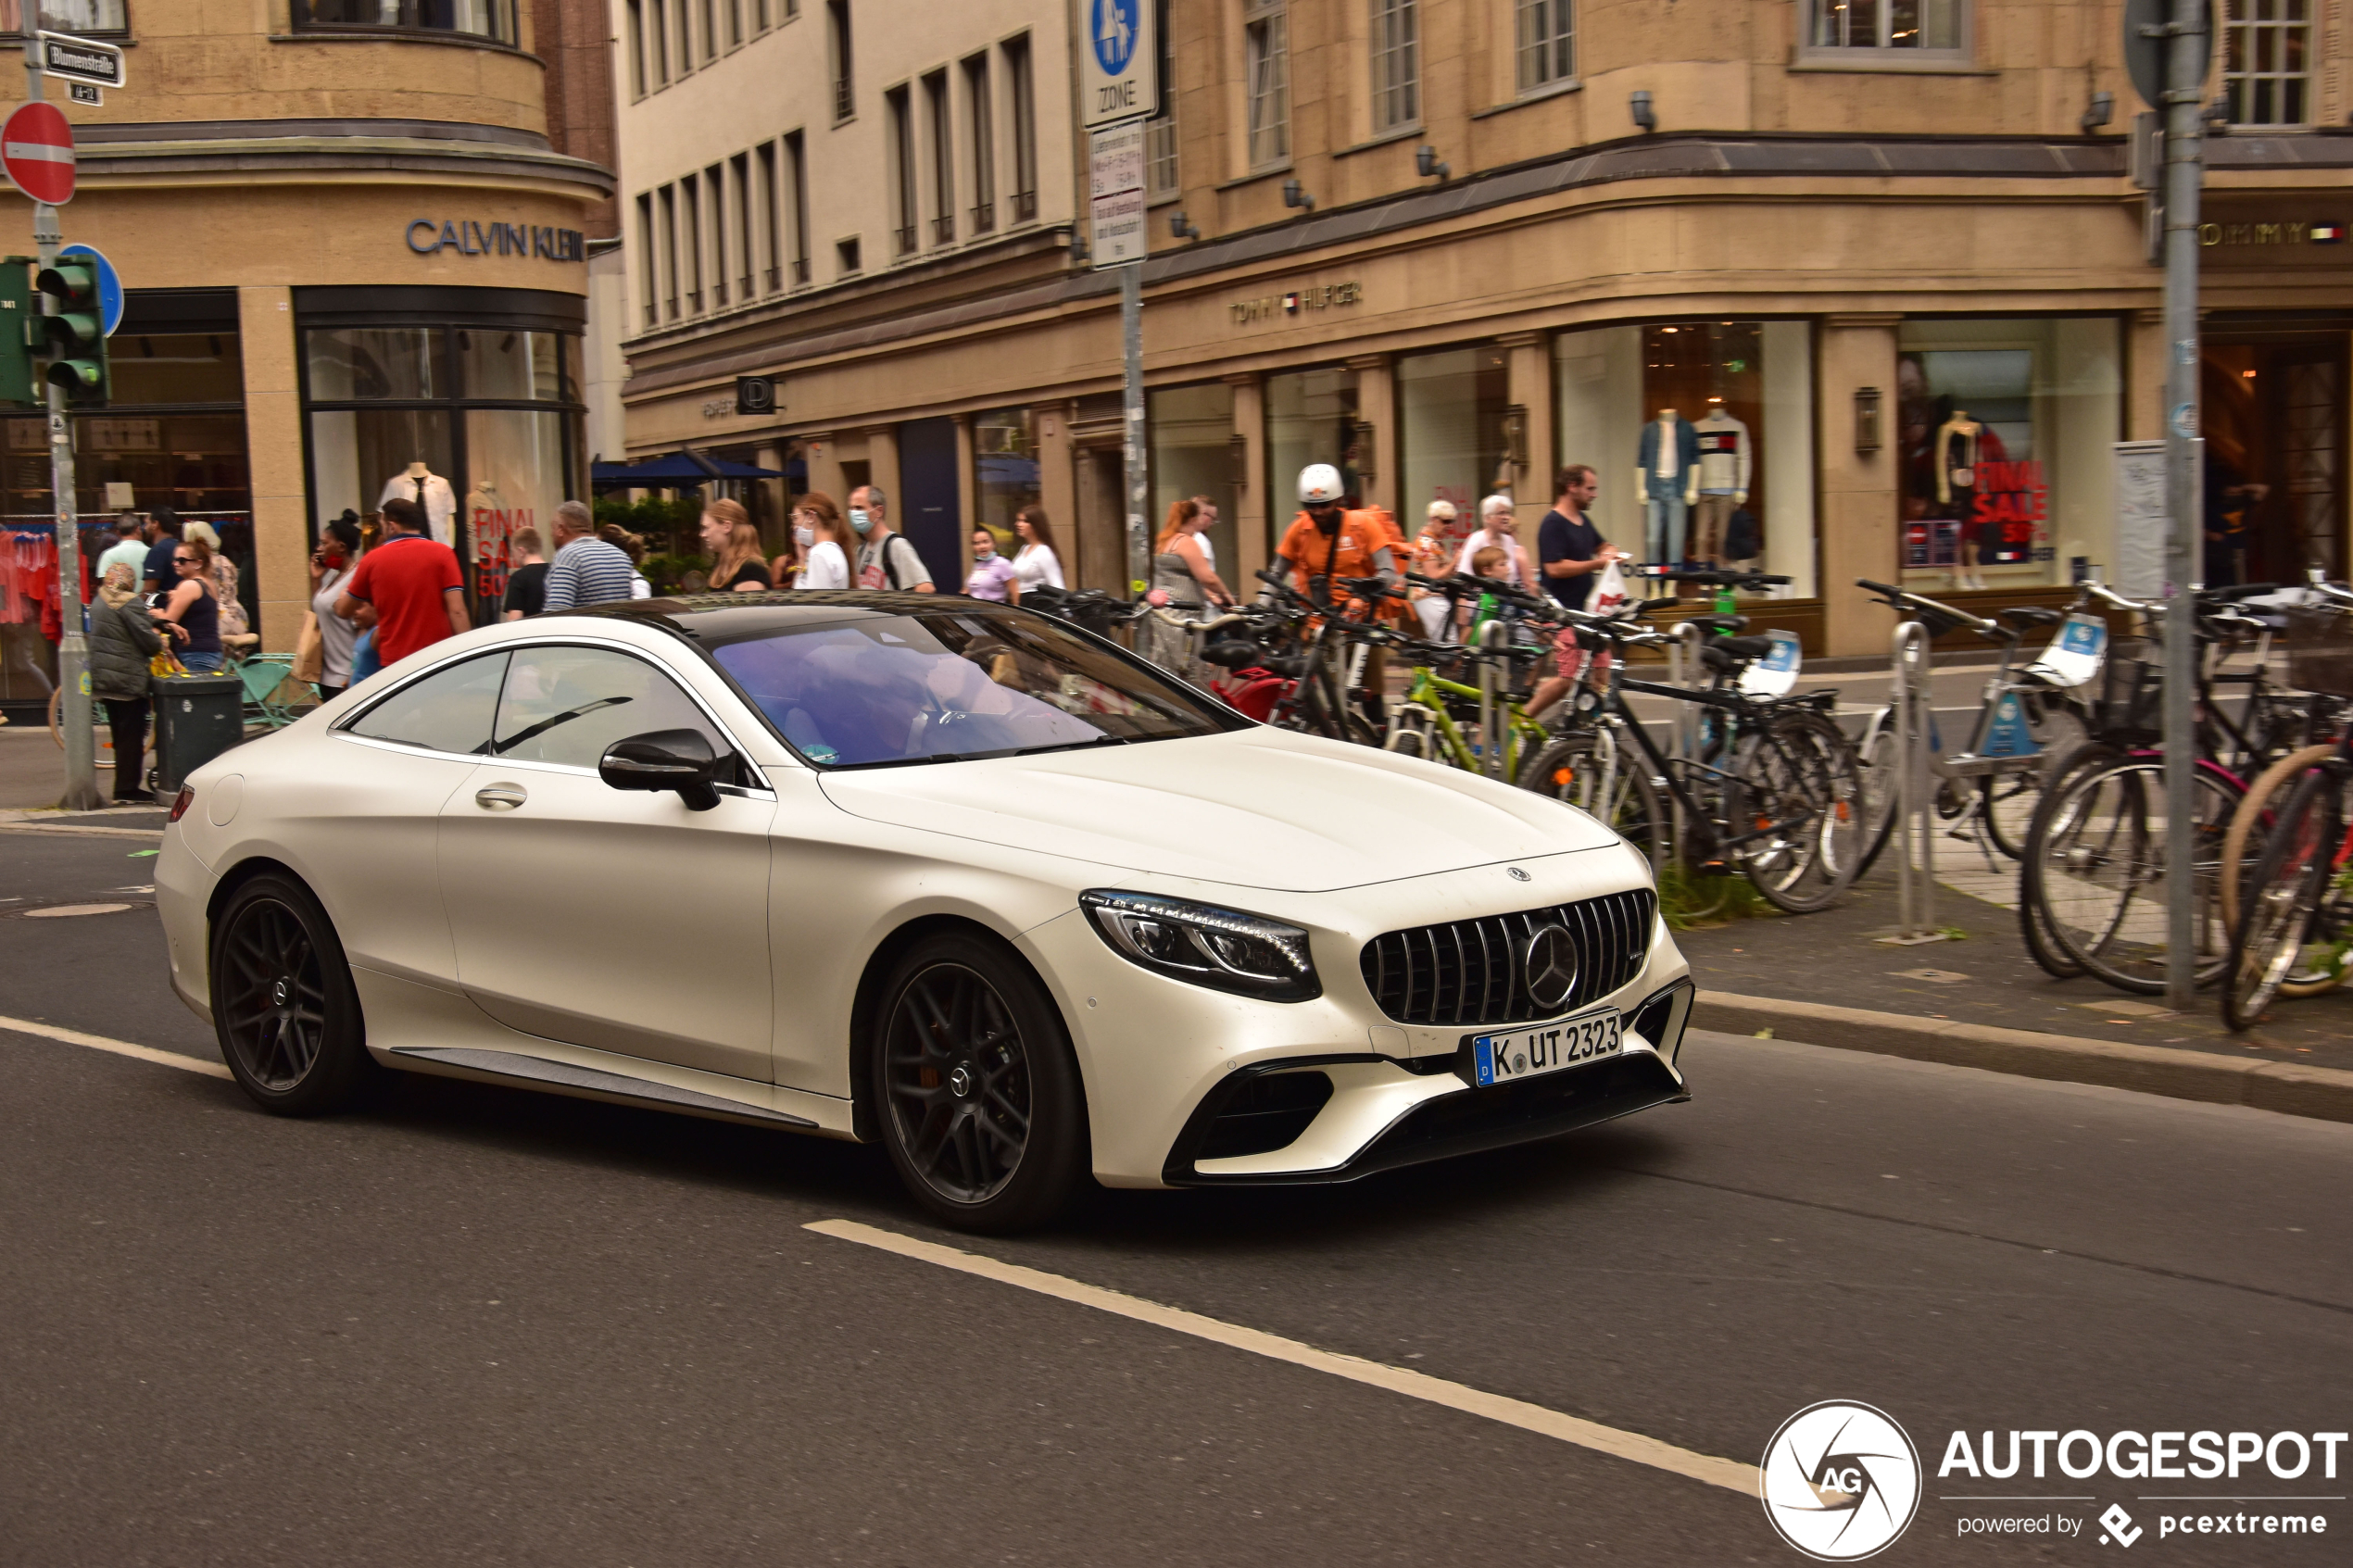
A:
(1318, 485)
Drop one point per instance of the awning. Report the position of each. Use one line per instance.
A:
(673, 470)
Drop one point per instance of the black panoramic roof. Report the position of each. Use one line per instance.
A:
(731, 617)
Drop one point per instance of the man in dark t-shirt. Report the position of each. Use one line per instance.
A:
(1570, 550)
(527, 582)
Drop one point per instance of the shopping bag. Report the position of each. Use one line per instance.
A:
(1609, 594)
(166, 663)
(310, 650)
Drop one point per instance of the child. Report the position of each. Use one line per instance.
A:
(1493, 563)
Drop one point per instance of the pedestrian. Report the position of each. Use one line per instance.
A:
(223, 570)
(1036, 562)
(1570, 550)
(1498, 526)
(831, 544)
(526, 576)
(122, 640)
(1202, 535)
(1432, 555)
(740, 561)
(633, 547)
(1326, 543)
(993, 576)
(191, 611)
(129, 549)
(332, 565)
(1179, 563)
(586, 570)
(412, 580)
(785, 569)
(885, 558)
(158, 575)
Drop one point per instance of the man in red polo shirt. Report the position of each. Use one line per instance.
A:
(412, 580)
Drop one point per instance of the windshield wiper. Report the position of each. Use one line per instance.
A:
(1104, 739)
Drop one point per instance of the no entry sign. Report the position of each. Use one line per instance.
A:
(36, 147)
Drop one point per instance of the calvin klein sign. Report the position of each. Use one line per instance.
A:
(429, 238)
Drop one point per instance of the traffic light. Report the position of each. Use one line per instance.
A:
(77, 333)
(20, 330)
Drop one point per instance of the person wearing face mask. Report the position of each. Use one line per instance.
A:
(885, 558)
(993, 577)
(1325, 543)
(825, 541)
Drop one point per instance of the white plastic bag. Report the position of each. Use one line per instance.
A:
(1609, 593)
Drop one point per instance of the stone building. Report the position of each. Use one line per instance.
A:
(352, 235)
(1890, 259)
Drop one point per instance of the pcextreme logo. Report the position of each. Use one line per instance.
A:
(1840, 1480)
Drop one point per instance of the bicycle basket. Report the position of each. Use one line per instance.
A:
(2320, 650)
(2133, 696)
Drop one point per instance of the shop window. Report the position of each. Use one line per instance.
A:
(355, 364)
(2006, 434)
(495, 363)
(1547, 44)
(491, 20)
(1730, 478)
(1450, 432)
(175, 367)
(1892, 32)
(1311, 417)
(1192, 455)
(516, 476)
(1005, 471)
(2267, 62)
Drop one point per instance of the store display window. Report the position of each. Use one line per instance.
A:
(2006, 433)
(1702, 434)
(1450, 432)
(1193, 455)
(1311, 417)
(1005, 471)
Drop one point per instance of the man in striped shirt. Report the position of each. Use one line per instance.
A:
(586, 570)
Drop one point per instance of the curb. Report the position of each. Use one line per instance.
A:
(2324, 1093)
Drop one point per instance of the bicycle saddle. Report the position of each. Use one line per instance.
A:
(1232, 652)
(1721, 625)
(1727, 652)
(2024, 616)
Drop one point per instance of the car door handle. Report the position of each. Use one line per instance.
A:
(500, 797)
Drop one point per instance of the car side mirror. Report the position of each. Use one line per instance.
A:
(679, 759)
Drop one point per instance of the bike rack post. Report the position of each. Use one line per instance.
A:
(1494, 635)
(1915, 791)
(1682, 737)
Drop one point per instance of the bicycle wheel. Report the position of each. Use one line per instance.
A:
(2290, 899)
(1796, 794)
(1879, 753)
(2102, 872)
(1409, 735)
(2242, 850)
(2006, 801)
(1607, 782)
(2033, 916)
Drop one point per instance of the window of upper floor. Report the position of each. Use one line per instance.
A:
(1266, 81)
(1394, 51)
(1885, 32)
(492, 20)
(838, 58)
(2267, 61)
(1544, 45)
(83, 19)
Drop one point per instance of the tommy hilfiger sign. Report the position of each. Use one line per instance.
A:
(429, 238)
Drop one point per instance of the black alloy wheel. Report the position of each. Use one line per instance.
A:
(283, 1004)
(978, 1093)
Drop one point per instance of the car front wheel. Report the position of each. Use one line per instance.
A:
(975, 1089)
(283, 1003)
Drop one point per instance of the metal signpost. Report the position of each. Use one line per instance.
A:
(1119, 90)
(36, 145)
(2168, 45)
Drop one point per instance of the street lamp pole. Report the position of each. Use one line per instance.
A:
(1134, 453)
(2186, 52)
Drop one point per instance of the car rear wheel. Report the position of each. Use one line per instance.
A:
(283, 1003)
(975, 1089)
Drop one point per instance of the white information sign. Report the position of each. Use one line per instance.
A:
(1118, 75)
(1116, 192)
(2143, 519)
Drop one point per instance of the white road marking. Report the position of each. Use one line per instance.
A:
(1725, 1473)
(119, 1047)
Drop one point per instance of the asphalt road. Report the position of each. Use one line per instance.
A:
(477, 1325)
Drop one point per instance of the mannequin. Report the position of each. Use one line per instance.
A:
(1667, 462)
(1954, 455)
(1722, 487)
(417, 482)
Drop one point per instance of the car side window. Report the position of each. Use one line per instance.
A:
(448, 710)
(566, 705)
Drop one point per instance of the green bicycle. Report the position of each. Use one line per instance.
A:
(1481, 728)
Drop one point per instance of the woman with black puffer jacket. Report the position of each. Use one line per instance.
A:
(122, 639)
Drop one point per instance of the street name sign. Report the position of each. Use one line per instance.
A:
(1116, 193)
(80, 59)
(36, 148)
(1118, 69)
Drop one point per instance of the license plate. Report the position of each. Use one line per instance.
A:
(1548, 1048)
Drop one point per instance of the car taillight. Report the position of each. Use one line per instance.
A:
(186, 797)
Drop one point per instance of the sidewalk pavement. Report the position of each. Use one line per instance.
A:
(1826, 980)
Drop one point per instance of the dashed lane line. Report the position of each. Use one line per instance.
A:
(119, 1047)
(1725, 1473)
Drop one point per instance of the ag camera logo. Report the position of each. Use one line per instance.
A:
(1117, 25)
(1842, 1481)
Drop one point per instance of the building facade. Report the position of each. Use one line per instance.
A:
(1888, 264)
(349, 247)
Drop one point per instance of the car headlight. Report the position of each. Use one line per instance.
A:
(1222, 948)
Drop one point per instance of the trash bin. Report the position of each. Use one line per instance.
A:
(197, 718)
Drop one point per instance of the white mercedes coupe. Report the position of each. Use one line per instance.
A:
(940, 873)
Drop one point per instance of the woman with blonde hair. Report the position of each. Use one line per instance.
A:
(831, 544)
(1432, 555)
(223, 577)
(739, 564)
(191, 611)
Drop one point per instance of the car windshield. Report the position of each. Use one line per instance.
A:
(953, 684)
